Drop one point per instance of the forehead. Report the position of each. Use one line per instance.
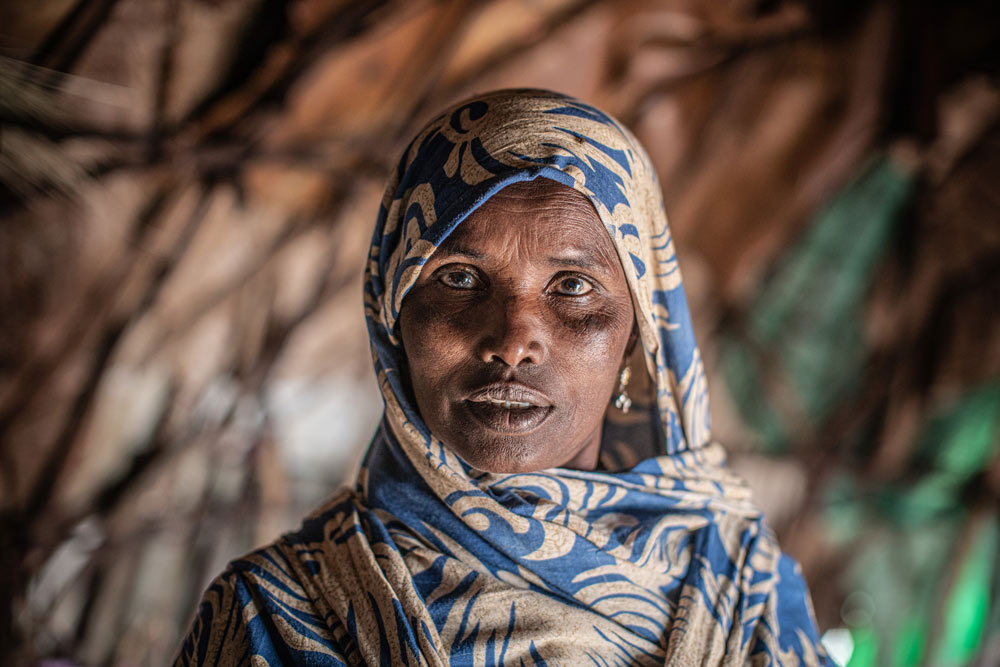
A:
(539, 216)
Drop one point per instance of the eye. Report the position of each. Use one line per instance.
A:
(460, 279)
(573, 286)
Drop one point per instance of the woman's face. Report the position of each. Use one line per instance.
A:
(516, 330)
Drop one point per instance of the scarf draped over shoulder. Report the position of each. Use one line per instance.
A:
(657, 557)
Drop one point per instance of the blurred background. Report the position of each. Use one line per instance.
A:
(187, 191)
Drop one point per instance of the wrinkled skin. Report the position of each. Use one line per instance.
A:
(517, 329)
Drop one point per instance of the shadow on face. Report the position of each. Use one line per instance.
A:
(516, 330)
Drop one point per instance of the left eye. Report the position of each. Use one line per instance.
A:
(460, 279)
(573, 286)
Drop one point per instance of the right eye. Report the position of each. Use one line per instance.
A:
(460, 279)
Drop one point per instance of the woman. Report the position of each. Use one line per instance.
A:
(523, 502)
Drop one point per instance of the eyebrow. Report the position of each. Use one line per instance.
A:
(460, 250)
(581, 257)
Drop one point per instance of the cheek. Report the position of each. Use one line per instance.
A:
(592, 346)
(440, 338)
(433, 341)
(598, 331)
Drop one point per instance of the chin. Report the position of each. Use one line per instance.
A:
(505, 457)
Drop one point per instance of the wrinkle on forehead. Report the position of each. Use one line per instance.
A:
(562, 213)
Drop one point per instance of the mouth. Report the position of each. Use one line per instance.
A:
(509, 407)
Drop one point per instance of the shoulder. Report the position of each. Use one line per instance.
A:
(786, 633)
(264, 606)
(227, 625)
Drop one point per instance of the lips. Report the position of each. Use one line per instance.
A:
(510, 392)
(509, 407)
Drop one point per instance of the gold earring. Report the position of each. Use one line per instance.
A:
(622, 401)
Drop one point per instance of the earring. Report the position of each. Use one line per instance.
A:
(622, 400)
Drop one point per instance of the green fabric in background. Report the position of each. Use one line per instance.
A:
(865, 648)
(967, 608)
(917, 549)
(928, 561)
(957, 443)
(804, 327)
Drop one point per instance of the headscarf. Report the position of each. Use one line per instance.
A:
(657, 557)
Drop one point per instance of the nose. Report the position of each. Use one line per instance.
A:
(512, 332)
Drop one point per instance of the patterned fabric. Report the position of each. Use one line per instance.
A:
(658, 557)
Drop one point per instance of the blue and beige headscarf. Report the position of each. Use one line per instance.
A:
(658, 557)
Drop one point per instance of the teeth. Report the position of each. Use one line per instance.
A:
(508, 405)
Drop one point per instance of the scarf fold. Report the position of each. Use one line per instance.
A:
(659, 557)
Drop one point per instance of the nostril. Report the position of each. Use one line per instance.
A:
(496, 358)
(513, 334)
(514, 352)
